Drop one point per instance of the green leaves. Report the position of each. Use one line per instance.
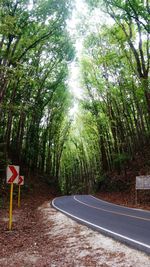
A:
(114, 102)
(34, 98)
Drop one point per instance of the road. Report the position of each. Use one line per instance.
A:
(130, 226)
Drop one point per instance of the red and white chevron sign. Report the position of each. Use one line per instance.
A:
(12, 174)
(21, 180)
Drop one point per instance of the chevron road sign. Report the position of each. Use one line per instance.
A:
(12, 174)
(21, 180)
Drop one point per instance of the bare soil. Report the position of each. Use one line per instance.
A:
(42, 236)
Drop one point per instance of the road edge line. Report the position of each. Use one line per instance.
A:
(128, 241)
(126, 207)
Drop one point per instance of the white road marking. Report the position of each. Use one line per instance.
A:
(101, 228)
(124, 207)
(110, 211)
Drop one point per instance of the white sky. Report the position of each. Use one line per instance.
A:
(30, 6)
(81, 13)
(74, 80)
(74, 77)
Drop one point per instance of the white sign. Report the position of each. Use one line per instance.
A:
(143, 182)
(12, 174)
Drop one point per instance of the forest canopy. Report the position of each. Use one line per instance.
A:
(113, 120)
(34, 98)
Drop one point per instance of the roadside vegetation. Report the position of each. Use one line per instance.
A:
(107, 143)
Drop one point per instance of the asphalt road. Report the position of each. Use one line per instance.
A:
(130, 226)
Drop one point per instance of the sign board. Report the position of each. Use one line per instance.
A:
(12, 174)
(143, 182)
(21, 180)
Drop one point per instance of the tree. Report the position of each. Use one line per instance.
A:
(132, 18)
(35, 51)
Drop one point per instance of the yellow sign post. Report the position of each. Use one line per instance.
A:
(10, 207)
(20, 182)
(19, 189)
(12, 177)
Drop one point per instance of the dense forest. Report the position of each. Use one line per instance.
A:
(37, 130)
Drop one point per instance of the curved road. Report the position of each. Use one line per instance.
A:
(131, 226)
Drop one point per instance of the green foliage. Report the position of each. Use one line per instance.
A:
(115, 104)
(36, 126)
(35, 51)
(120, 160)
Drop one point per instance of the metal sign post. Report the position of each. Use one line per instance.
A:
(12, 178)
(10, 206)
(142, 183)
